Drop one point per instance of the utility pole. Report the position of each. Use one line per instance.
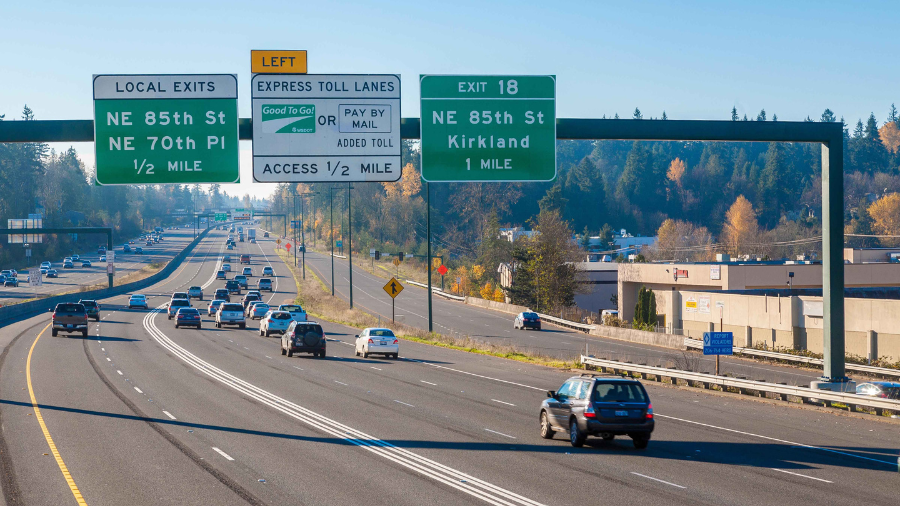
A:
(428, 233)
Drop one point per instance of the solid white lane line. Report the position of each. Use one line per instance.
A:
(800, 445)
(803, 475)
(502, 402)
(139, 390)
(434, 470)
(170, 415)
(656, 479)
(404, 403)
(120, 372)
(502, 434)
(341, 383)
(220, 452)
(428, 382)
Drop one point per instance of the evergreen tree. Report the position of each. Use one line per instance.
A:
(761, 116)
(828, 116)
(637, 114)
(734, 114)
(892, 115)
(664, 117)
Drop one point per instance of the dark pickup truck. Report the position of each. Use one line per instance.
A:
(70, 317)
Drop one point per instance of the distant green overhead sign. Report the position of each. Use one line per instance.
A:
(488, 128)
(157, 129)
(221, 216)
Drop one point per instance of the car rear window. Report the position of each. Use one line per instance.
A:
(281, 315)
(216, 303)
(618, 392)
(180, 302)
(69, 308)
(306, 329)
(265, 280)
(530, 315)
(89, 303)
(261, 306)
(290, 307)
(195, 288)
(188, 310)
(381, 332)
(232, 307)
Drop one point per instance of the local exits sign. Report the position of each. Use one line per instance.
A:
(157, 129)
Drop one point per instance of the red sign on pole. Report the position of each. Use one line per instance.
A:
(442, 270)
(288, 246)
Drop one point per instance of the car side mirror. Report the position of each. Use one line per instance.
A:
(551, 394)
(50, 310)
(356, 336)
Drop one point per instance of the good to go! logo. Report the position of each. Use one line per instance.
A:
(289, 118)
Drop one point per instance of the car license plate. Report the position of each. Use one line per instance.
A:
(621, 412)
(384, 343)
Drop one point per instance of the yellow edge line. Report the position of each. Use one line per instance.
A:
(40, 419)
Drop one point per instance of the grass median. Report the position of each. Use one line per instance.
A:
(316, 299)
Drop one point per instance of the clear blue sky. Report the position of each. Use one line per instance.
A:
(695, 60)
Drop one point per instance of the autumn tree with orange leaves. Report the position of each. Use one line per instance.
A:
(741, 227)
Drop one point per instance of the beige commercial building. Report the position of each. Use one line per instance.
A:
(688, 302)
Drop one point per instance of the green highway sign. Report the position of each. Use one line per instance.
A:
(221, 216)
(157, 129)
(488, 128)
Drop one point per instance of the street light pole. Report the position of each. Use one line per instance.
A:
(428, 266)
(350, 242)
(331, 236)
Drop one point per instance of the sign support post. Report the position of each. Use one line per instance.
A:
(428, 233)
(350, 242)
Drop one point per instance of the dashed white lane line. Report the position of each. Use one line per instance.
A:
(473, 374)
(170, 415)
(373, 367)
(503, 402)
(295, 367)
(108, 359)
(120, 372)
(768, 438)
(268, 357)
(656, 479)
(502, 434)
(220, 452)
(802, 475)
(138, 390)
(340, 383)
(102, 349)
(429, 383)
(404, 403)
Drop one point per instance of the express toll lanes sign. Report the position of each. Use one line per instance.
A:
(326, 128)
(488, 128)
(157, 129)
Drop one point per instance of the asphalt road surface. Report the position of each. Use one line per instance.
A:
(143, 413)
(461, 320)
(71, 279)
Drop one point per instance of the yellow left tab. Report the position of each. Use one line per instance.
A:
(277, 62)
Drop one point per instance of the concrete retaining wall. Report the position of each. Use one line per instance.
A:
(15, 312)
(640, 336)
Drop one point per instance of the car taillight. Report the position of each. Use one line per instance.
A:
(371, 341)
(589, 411)
(396, 341)
(537, 319)
(649, 411)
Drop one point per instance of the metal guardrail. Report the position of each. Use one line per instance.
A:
(805, 393)
(567, 323)
(883, 371)
(437, 291)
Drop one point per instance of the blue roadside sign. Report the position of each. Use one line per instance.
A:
(295, 223)
(718, 343)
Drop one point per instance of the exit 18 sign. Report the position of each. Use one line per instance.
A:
(157, 129)
(488, 128)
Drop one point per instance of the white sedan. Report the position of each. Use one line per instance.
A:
(377, 341)
(137, 300)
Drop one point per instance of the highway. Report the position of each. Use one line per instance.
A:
(461, 320)
(143, 413)
(70, 280)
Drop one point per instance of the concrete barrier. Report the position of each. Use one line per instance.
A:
(496, 306)
(673, 341)
(9, 314)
